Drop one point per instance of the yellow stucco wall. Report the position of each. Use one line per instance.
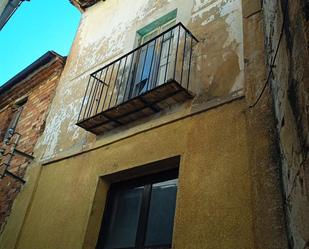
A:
(213, 201)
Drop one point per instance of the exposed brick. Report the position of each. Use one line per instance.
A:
(39, 88)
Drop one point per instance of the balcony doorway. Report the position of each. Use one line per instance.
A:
(153, 63)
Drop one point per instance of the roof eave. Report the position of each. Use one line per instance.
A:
(43, 60)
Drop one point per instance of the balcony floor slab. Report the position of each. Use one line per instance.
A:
(141, 106)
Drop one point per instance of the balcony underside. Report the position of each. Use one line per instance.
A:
(141, 106)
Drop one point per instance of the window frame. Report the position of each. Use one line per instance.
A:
(147, 182)
(137, 87)
(17, 110)
(158, 30)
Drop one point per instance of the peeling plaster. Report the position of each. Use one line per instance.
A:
(221, 46)
(57, 126)
(93, 39)
(65, 108)
(103, 35)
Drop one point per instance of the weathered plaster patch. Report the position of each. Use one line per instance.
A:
(102, 36)
(208, 20)
(200, 6)
(66, 110)
(220, 53)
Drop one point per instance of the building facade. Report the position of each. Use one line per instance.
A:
(163, 132)
(24, 105)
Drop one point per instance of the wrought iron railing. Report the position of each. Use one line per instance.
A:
(164, 58)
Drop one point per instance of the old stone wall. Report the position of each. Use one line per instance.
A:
(286, 42)
(268, 215)
(39, 88)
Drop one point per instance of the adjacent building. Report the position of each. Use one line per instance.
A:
(169, 130)
(24, 105)
(7, 9)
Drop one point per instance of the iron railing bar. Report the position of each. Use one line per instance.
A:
(96, 99)
(144, 63)
(81, 109)
(108, 87)
(105, 76)
(134, 75)
(191, 45)
(144, 44)
(124, 69)
(141, 78)
(125, 91)
(168, 54)
(152, 60)
(154, 67)
(110, 100)
(100, 96)
(159, 62)
(93, 98)
(99, 79)
(183, 57)
(176, 52)
(90, 94)
(97, 85)
(188, 31)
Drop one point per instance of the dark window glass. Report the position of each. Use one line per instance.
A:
(161, 213)
(140, 213)
(124, 218)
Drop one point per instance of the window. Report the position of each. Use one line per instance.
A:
(156, 53)
(19, 106)
(140, 213)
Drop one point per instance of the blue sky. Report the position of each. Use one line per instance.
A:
(36, 27)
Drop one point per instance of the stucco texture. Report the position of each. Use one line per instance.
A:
(214, 163)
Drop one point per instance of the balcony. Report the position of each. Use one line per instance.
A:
(150, 78)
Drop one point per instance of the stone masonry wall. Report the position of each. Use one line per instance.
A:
(268, 214)
(286, 42)
(40, 89)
